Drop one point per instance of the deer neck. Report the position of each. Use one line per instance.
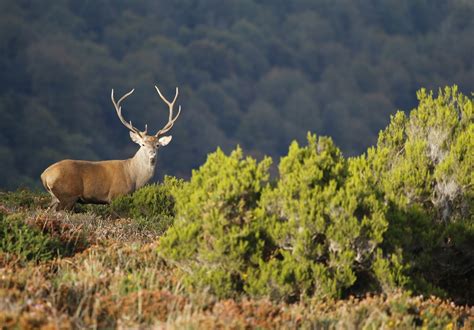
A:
(141, 168)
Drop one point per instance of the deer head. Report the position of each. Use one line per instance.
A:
(149, 144)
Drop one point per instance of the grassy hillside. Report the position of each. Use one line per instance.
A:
(382, 240)
(107, 273)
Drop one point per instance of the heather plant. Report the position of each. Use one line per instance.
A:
(23, 199)
(23, 242)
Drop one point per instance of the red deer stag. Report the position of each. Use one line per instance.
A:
(70, 181)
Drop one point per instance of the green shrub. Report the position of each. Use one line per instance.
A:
(311, 234)
(216, 238)
(25, 242)
(326, 219)
(151, 206)
(426, 172)
(24, 198)
(400, 215)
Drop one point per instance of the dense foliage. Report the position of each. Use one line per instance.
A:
(326, 220)
(39, 238)
(401, 215)
(24, 242)
(424, 164)
(255, 72)
(151, 207)
(215, 233)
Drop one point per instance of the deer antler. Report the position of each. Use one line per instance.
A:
(118, 109)
(171, 120)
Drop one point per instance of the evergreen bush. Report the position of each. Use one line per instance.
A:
(426, 172)
(216, 237)
(327, 220)
(399, 215)
(23, 241)
(151, 206)
(24, 199)
(311, 234)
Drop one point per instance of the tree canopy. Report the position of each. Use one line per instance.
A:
(257, 73)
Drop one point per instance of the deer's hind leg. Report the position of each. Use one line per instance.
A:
(54, 200)
(61, 203)
(53, 205)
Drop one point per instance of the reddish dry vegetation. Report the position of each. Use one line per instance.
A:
(71, 236)
(112, 277)
(124, 286)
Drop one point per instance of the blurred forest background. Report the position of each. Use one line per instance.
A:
(259, 73)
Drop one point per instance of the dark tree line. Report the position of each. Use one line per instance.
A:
(258, 73)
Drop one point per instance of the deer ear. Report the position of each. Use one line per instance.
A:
(135, 137)
(164, 140)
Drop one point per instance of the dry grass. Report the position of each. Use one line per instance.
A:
(113, 278)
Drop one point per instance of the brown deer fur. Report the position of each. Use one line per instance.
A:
(70, 181)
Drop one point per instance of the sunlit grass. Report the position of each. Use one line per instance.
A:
(112, 277)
